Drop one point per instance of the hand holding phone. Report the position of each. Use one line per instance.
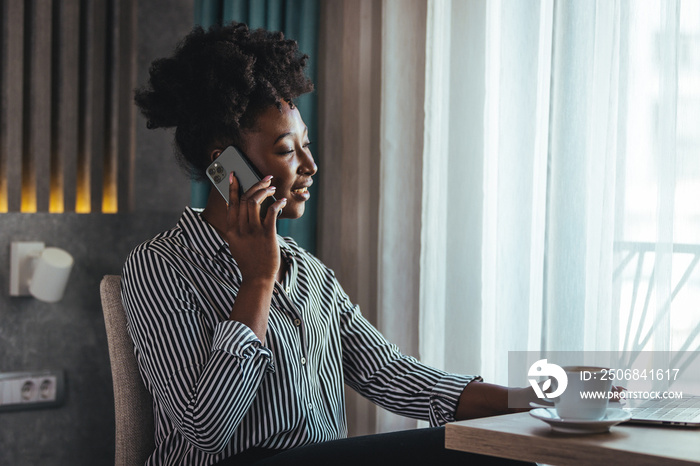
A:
(233, 160)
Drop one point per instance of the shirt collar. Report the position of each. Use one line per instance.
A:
(285, 247)
(200, 232)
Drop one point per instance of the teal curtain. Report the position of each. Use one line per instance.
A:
(298, 20)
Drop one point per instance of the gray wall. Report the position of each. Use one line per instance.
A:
(70, 335)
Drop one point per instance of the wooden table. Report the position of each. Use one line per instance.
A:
(522, 437)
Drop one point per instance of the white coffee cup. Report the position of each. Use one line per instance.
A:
(572, 405)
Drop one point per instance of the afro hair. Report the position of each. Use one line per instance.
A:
(216, 84)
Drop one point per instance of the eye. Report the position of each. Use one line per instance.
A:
(290, 150)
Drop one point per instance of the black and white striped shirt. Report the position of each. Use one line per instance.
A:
(219, 391)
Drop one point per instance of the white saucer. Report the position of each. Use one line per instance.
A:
(612, 416)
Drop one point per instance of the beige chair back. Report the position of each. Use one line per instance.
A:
(133, 405)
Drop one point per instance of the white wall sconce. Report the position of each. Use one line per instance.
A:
(38, 271)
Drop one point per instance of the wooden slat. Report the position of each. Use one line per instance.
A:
(11, 120)
(118, 161)
(37, 151)
(108, 192)
(3, 115)
(65, 114)
(99, 100)
(92, 103)
(127, 110)
(82, 173)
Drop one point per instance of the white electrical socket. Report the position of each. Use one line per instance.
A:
(31, 390)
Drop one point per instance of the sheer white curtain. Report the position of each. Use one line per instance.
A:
(557, 158)
(483, 162)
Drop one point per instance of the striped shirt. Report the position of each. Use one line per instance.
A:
(218, 390)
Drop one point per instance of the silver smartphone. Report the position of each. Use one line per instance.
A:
(232, 160)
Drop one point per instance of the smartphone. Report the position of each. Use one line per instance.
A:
(233, 160)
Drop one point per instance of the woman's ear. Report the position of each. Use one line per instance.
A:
(215, 154)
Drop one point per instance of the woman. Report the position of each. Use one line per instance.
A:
(244, 339)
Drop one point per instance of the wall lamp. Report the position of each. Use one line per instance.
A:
(38, 271)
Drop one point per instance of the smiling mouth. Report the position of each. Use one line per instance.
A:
(303, 190)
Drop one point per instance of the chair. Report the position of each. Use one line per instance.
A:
(133, 405)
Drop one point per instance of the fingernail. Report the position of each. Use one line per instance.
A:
(284, 200)
(272, 188)
(230, 178)
(267, 178)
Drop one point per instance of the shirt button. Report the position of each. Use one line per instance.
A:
(297, 322)
(288, 289)
(311, 406)
(303, 361)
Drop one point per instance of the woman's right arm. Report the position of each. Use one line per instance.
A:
(204, 374)
(253, 244)
(206, 378)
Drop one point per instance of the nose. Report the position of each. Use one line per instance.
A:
(307, 166)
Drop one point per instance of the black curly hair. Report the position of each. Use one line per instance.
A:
(216, 84)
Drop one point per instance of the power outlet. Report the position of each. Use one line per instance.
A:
(31, 390)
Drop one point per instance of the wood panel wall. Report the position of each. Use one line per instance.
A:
(67, 118)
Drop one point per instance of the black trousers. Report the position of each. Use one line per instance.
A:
(409, 447)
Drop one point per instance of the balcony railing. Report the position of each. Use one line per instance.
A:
(636, 275)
